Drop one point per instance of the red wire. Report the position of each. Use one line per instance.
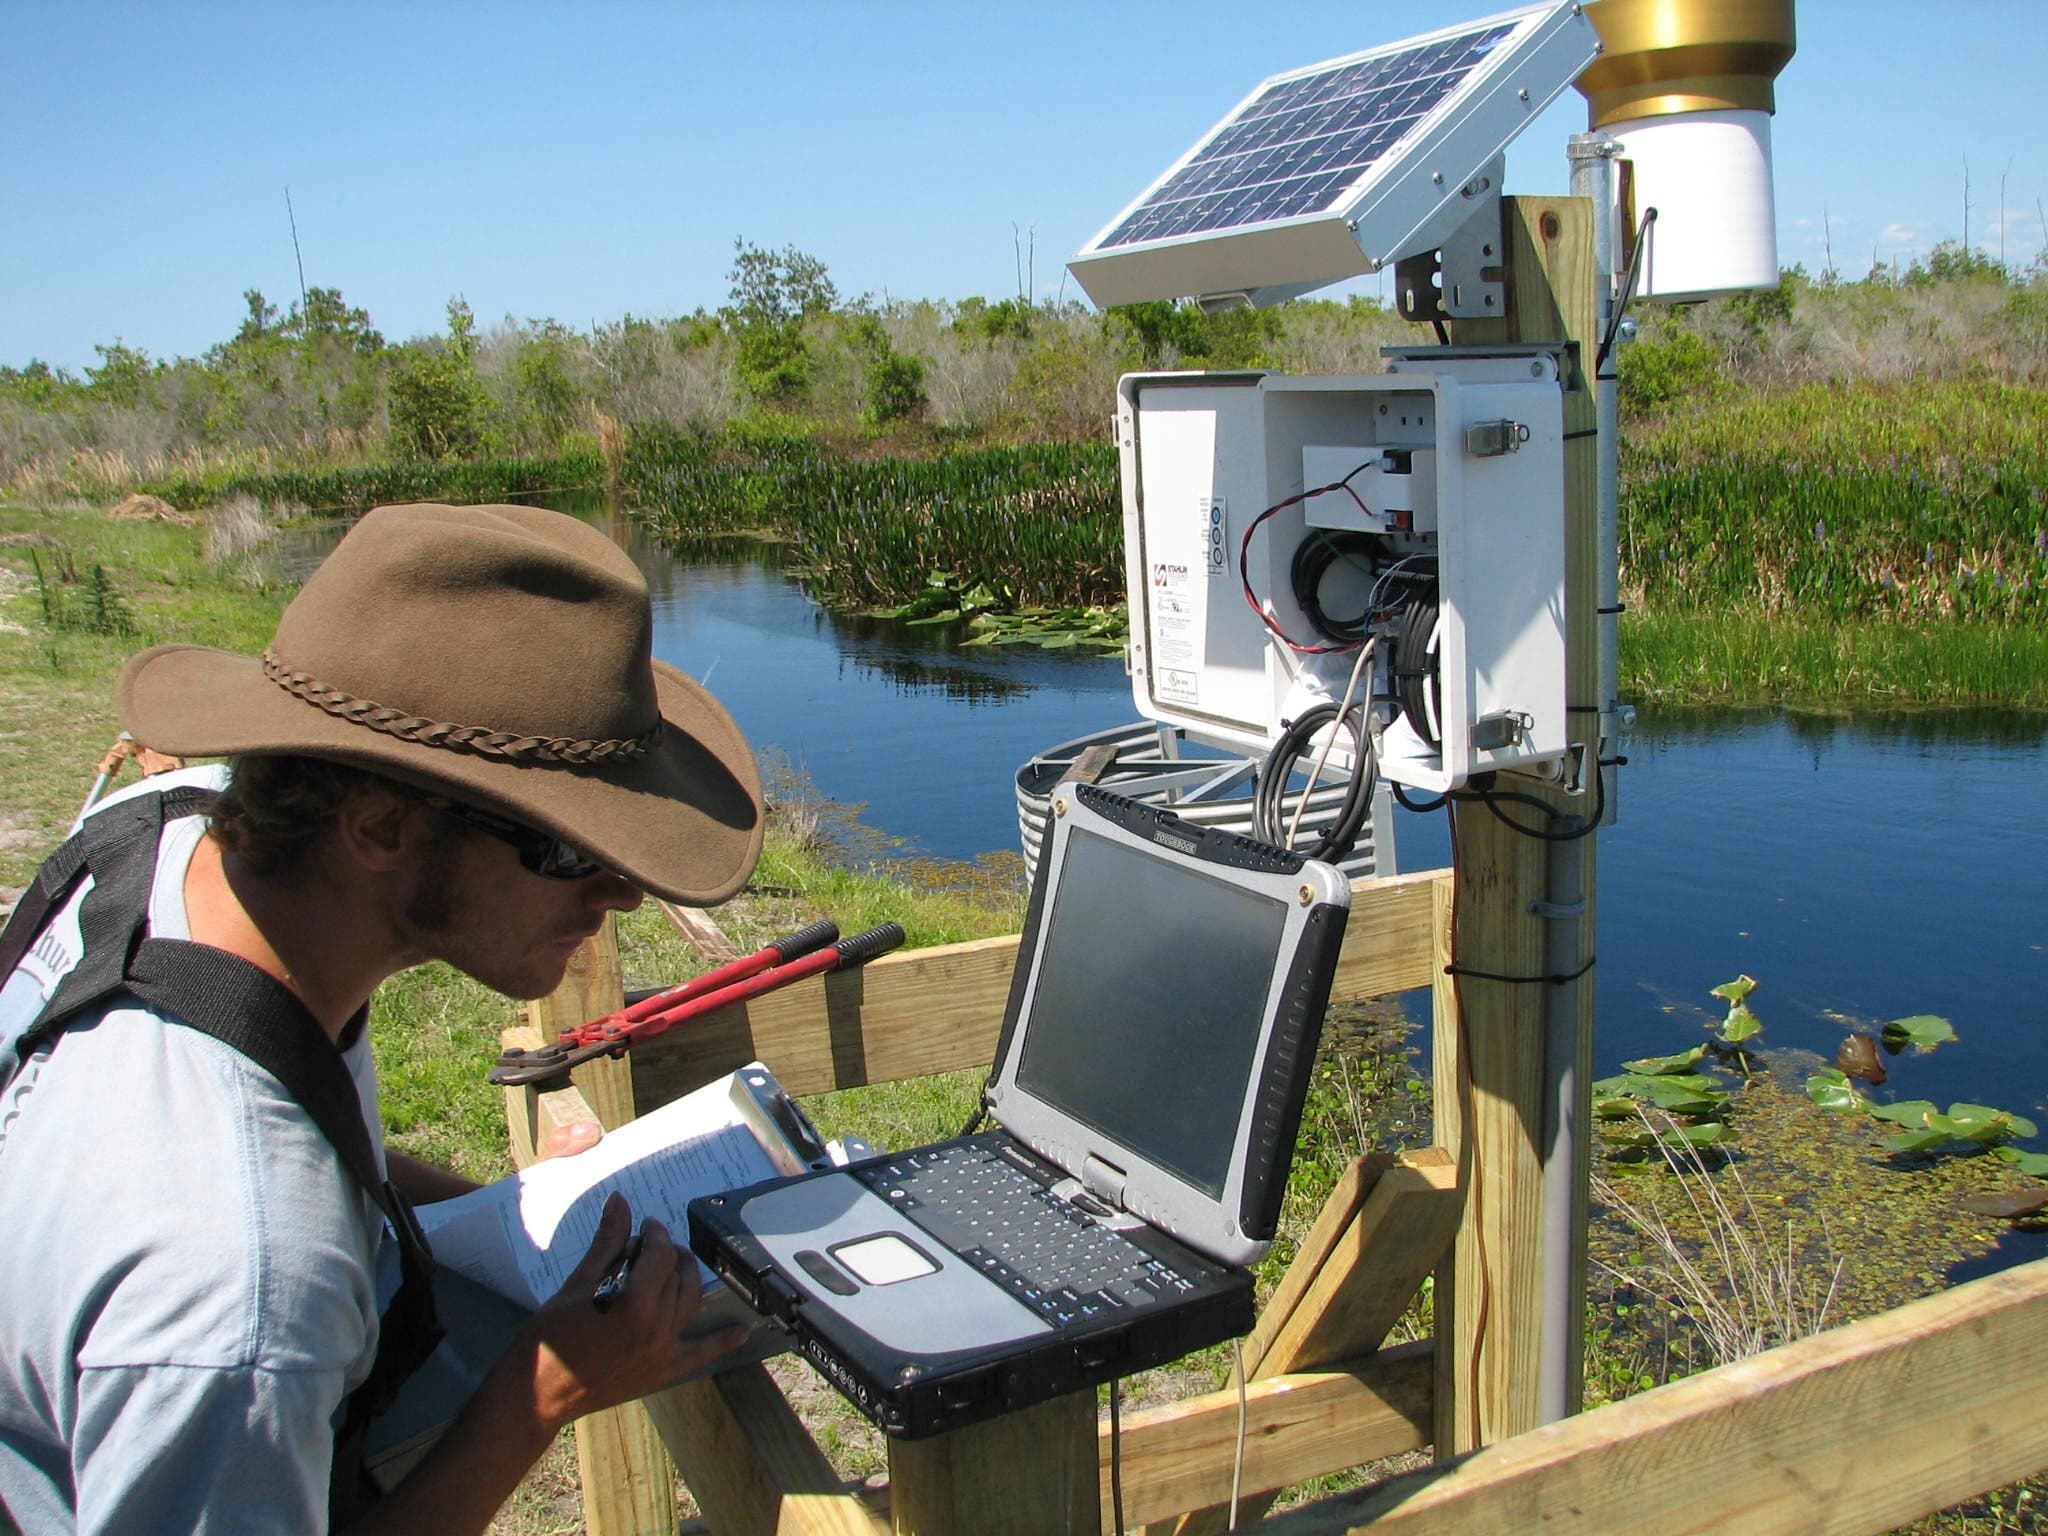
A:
(1244, 574)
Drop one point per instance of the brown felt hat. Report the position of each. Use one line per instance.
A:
(502, 655)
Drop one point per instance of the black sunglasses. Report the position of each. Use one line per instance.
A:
(543, 854)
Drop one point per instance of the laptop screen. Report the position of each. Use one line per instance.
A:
(1150, 1004)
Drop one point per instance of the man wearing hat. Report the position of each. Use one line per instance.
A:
(457, 748)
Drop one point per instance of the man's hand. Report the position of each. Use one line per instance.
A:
(568, 1140)
(584, 1360)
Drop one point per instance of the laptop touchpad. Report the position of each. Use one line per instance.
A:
(883, 1260)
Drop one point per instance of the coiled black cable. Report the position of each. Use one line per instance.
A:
(1269, 820)
(1313, 557)
(1416, 677)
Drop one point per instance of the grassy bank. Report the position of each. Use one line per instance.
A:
(1821, 1183)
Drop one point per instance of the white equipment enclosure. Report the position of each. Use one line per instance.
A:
(1256, 503)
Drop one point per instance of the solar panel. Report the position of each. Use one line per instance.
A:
(1352, 156)
(1302, 141)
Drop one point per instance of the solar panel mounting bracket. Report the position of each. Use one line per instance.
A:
(1461, 278)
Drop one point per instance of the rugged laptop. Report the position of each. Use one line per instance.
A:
(1155, 1052)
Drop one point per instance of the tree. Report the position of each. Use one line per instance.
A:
(123, 376)
(439, 409)
(778, 287)
(326, 313)
(773, 293)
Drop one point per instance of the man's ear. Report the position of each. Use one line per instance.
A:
(381, 830)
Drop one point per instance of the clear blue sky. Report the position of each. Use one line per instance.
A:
(586, 161)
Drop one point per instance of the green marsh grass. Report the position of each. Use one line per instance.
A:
(1831, 503)
(1041, 523)
(1735, 658)
(358, 487)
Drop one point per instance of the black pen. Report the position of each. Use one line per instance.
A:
(613, 1285)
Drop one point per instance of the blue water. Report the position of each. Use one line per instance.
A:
(1860, 870)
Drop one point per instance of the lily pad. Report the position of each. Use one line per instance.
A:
(2034, 1163)
(1706, 1133)
(1907, 1112)
(1740, 1025)
(1737, 991)
(1655, 1066)
(1923, 1030)
(1917, 1141)
(1830, 1088)
(1980, 1123)
(2011, 1203)
(1690, 1094)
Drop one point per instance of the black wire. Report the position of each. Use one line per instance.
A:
(1116, 1462)
(1425, 806)
(1491, 798)
(1521, 981)
(1269, 818)
(1628, 292)
(1313, 557)
(1415, 676)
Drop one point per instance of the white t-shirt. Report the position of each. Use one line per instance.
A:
(187, 1286)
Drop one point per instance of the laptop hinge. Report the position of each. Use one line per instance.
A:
(1103, 1181)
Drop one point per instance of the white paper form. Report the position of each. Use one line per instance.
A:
(523, 1235)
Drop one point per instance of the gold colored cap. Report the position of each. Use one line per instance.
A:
(1663, 57)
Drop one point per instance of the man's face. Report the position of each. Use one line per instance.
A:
(475, 906)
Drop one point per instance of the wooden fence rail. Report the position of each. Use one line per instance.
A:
(1853, 1432)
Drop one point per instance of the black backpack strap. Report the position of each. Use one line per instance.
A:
(224, 996)
(245, 1008)
(139, 818)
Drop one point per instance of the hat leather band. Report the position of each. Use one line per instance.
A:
(459, 738)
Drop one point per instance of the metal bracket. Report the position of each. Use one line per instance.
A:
(1462, 279)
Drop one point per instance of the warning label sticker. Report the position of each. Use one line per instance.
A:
(1176, 632)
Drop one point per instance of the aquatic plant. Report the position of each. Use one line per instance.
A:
(1749, 1284)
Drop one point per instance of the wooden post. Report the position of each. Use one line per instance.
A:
(1490, 1108)
(1028, 1473)
(627, 1487)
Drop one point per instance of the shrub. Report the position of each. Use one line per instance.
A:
(1655, 373)
(894, 387)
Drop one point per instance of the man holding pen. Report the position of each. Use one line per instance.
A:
(457, 748)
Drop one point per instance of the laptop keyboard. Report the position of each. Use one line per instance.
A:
(1053, 1258)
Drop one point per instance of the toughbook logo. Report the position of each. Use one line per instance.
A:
(1184, 844)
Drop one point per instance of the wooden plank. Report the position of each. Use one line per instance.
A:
(1028, 1473)
(627, 1489)
(1851, 1433)
(1490, 1352)
(1355, 1290)
(529, 1116)
(1297, 1426)
(1360, 1291)
(750, 1463)
(698, 926)
(939, 1009)
(1339, 1210)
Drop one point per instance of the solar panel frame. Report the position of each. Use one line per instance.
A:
(1458, 96)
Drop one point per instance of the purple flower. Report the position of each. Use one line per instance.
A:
(1820, 530)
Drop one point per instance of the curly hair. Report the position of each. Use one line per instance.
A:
(276, 807)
